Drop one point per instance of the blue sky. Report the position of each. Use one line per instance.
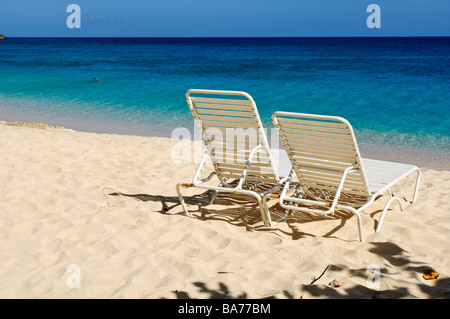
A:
(221, 18)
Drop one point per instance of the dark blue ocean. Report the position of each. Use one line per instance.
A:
(394, 91)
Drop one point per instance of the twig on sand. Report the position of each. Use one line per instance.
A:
(313, 279)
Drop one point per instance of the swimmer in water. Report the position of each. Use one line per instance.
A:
(96, 80)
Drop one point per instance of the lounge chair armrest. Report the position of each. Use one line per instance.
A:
(197, 182)
(255, 150)
(286, 180)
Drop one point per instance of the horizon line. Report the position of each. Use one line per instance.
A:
(223, 37)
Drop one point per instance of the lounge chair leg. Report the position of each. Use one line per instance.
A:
(180, 196)
(361, 235)
(213, 196)
(287, 213)
(269, 222)
(416, 189)
(265, 213)
(359, 221)
(360, 229)
(263, 209)
(386, 207)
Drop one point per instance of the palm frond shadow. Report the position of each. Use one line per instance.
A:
(390, 254)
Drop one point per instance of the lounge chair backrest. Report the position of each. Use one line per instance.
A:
(322, 147)
(231, 128)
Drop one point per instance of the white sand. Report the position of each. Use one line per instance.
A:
(53, 215)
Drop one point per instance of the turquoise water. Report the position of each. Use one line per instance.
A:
(394, 91)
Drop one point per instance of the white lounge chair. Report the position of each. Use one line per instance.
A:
(236, 143)
(328, 165)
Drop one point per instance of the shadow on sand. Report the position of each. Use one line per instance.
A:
(236, 209)
(239, 211)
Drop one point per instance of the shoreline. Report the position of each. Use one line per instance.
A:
(422, 157)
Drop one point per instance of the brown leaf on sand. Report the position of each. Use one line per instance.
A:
(429, 274)
(336, 284)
